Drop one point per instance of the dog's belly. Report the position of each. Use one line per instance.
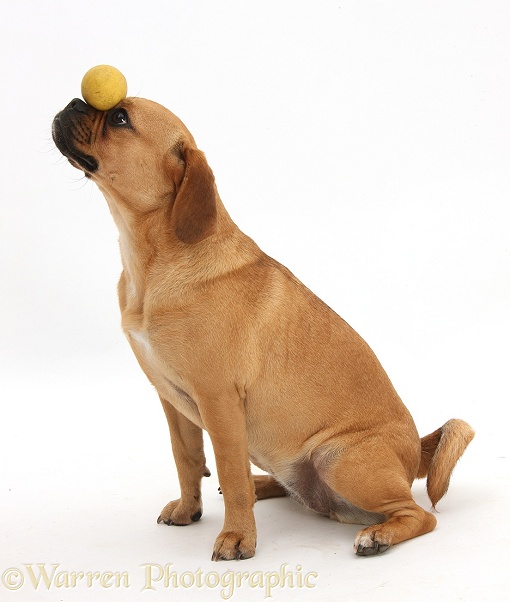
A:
(301, 474)
(304, 483)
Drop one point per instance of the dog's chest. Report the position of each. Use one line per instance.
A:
(163, 377)
(140, 339)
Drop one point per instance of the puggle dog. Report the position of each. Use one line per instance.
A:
(236, 345)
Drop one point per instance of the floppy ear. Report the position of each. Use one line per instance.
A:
(194, 211)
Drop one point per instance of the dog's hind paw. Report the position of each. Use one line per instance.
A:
(367, 543)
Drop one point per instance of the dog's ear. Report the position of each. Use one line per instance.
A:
(194, 214)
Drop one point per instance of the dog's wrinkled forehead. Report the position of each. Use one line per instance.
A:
(152, 119)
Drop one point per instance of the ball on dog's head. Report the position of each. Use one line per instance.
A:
(103, 86)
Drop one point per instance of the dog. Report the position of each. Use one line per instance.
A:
(236, 345)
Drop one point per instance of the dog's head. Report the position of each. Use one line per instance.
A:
(143, 159)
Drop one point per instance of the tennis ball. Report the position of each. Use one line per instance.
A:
(102, 87)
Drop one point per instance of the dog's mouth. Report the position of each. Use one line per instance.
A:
(66, 129)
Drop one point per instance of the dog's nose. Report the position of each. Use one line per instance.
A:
(78, 105)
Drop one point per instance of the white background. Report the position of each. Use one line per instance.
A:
(365, 145)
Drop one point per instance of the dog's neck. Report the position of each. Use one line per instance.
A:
(149, 250)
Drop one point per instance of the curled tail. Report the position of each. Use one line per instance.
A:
(439, 453)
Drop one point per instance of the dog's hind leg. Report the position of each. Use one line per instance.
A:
(267, 486)
(405, 520)
(374, 479)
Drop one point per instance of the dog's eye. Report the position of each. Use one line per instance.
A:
(118, 118)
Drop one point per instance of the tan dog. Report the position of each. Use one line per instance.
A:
(236, 345)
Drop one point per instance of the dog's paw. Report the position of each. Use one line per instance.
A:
(180, 514)
(231, 545)
(370, 542)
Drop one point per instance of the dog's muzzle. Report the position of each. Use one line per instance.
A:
(72, 126)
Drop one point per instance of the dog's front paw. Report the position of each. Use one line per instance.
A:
(371, 541)
(233, 545)
(180, 514)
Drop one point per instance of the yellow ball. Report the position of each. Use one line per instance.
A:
(103, 87)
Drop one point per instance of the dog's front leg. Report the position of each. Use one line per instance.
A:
(226, 425)
(188, 449)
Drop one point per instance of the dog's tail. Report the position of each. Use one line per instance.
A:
(439, 453)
